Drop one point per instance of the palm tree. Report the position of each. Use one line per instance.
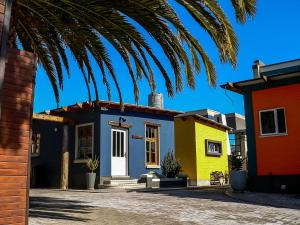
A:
(49, 27)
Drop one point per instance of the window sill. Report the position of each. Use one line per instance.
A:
(35, 155)
(214, 154)
(80, 161)
(272, 135)
(153, 166)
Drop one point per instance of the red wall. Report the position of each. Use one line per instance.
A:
(279, 155)
(15, 126)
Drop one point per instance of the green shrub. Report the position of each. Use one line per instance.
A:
(236, 161)
(170, 166)
(92, 164)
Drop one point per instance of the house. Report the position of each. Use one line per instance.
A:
(202, 144)
(129, 142)
(237, 137)
(272, 100)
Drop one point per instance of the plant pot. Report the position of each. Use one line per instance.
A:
(238, 180)
(90, 180)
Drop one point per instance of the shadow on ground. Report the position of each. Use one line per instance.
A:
(281, 201)
(60, 209)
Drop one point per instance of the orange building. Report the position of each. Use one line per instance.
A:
(272, 109)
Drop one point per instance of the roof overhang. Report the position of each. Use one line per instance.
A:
(203, 120)
(51, 118)
(239, 87)
(106, 105)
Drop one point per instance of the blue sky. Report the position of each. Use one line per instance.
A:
(272, 36)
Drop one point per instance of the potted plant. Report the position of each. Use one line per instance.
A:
(238, 176)
(170, 166)
(92, 164)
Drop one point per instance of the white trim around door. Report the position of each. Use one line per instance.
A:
(119, 152)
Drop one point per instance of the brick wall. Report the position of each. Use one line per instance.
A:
(15, 126)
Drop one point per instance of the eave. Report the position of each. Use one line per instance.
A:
(51, 118)
(107, 105)
(267, 81)
(205, 120)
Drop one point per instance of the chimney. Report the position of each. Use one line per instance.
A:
(156, 100)
(256, 68)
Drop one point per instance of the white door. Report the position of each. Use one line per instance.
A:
(119, 146)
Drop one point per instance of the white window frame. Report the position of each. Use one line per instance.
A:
(158, 133)
(76, 142)
(274, 110)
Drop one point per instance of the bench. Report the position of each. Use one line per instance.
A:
(217, 178)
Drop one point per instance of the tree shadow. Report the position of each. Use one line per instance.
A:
(59, 209)
(16, 103)
(222, 195)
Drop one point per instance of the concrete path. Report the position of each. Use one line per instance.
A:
(166, 208)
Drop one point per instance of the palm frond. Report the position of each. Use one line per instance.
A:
(51, 27)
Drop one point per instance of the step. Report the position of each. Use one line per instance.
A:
(120, 178)
(123, 182)
(126, 186)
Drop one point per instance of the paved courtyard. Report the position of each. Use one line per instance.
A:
(167, 207)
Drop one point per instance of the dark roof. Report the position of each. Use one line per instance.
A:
(105, 105)
(268, 74)
(238, 86)
(285, 67)
(203, 119)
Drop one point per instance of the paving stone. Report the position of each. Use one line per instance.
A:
(167, 208)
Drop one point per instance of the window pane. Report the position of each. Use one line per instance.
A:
(281, 121)
(267, 121)
(118, 144)
(214, 147)
(153, 158)
(218, 148)
(85, 142)
(114, 144)
(153, 152)
(147, 151)
(35, 144)
(211, 147)
(122, 144)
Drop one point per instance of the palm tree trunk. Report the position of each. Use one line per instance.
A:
(5, 13)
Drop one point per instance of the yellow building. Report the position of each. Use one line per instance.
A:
(201, 145)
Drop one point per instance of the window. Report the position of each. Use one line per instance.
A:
(213, 148)
(35, 144)
(272, 121)
(118, 143)
(152, 141)
(84, 141)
